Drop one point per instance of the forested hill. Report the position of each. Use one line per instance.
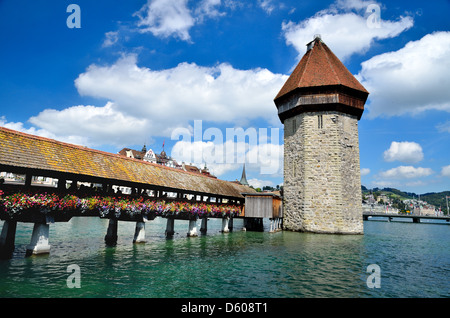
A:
(435, 198)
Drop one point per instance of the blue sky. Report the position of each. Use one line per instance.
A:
(143, 71)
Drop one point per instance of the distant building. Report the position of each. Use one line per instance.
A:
(420, 207)
(384, 198)
(130, 153)
(163, 159)
(150, 156)
(206, 172)
(190, 168)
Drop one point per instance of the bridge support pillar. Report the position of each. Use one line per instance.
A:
(275, 224)
(7, 239)
(111, 233)
(272, 226)
(225, 222)
(39, 240)
(139, 233)
(192, 228)
(204, 225)
(170, 227)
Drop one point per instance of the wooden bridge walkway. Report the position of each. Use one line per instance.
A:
(156, 191)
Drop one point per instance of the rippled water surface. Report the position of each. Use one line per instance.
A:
(414, 261)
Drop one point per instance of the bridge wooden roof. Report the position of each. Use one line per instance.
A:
(24, 152)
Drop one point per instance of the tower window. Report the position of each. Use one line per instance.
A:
(320, 121)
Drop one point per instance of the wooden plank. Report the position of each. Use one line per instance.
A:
(258, 206)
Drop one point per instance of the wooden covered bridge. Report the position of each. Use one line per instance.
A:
(86, 179)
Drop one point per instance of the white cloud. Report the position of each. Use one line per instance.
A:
(353, 4)
(72, 139)
(143, 103)
(267, 5)
(417, 183)
(365, 171)
(169, 98)
(406, 172)
(166, 18)
(94, 125)
(397, 183)
(201, 152)
(384, 184)
(344, 31)
(405, 151)
(223, 157)
(444, 127)
(257, 183)
(111, 38)
(445, 171)
(208, 9)
(411, 80)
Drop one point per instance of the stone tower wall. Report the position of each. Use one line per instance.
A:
(322, 183)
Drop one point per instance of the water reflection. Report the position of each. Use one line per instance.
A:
(413, 259)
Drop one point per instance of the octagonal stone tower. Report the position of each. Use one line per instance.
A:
(320, 105)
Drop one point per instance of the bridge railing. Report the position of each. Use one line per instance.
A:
(415, 217)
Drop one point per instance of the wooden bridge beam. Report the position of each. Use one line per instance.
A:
(170, 227)
(111, 234)
(7, 239)
(204, 225)
(62, 184)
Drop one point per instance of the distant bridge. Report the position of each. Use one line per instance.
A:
(367, 216)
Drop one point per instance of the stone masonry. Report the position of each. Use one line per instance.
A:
(322, 183)
(320, 105)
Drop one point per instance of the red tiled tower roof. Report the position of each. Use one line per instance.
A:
(320, 70)
(320, 67)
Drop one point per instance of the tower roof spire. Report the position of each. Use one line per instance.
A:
(319, 67)
(243, 177)
(321, 73)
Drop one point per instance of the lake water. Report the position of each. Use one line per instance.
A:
(414, 260)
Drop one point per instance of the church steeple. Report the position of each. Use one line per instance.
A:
(244, 177)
